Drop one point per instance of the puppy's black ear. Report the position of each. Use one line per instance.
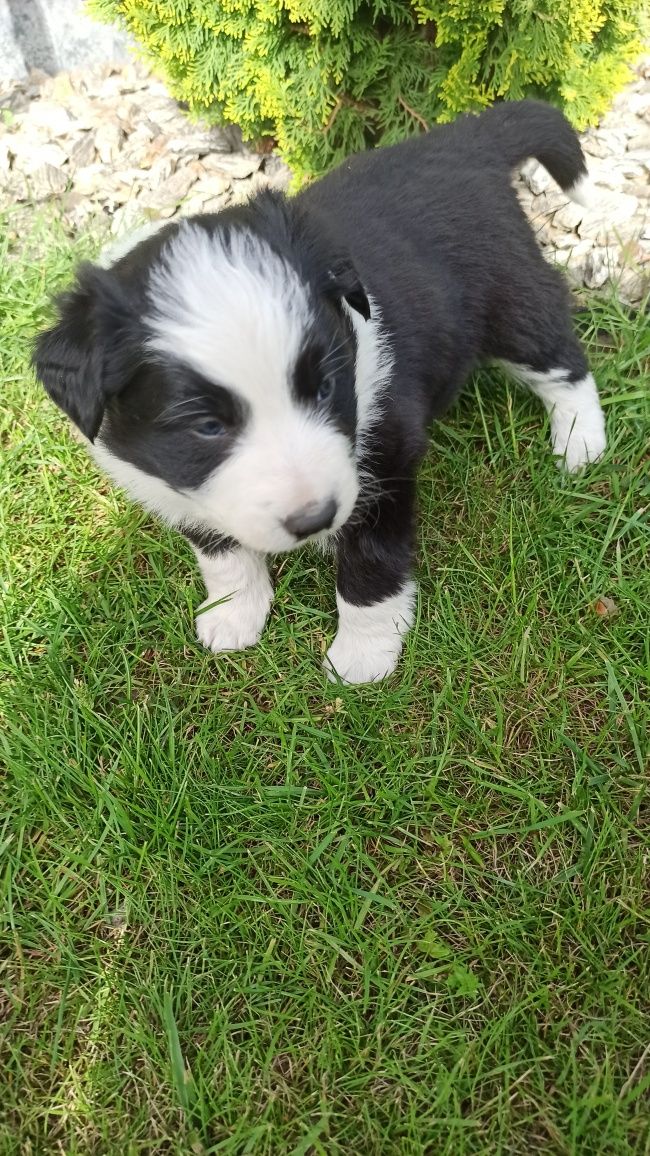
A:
(344, 285)
(85, 357)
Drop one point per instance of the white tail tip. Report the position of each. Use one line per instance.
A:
(582, 192)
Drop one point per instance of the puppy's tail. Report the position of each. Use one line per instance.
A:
(528, 128)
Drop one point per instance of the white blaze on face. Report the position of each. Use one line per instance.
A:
(238, 315)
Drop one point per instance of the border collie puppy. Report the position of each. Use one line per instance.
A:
(265, 376)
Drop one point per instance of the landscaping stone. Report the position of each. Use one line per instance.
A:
(110, 142)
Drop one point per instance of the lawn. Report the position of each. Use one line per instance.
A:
(245, 911)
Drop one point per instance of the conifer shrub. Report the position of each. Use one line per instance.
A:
(324, 78)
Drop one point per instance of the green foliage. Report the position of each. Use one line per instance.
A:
(328, 77)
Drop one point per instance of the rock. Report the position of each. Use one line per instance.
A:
(29, 161)
(581, 250)
(85, 114)
(570, 216)
(544, 234)
(277, 172)
(142, 148)
(162, 110)
(639, 103)
(123, 186)
(641, 157)
(595, 147)
(126, 218)
(538, 180)
(211, 185)
(77, 210)
(90, 180)
(574, 275)
(127, 112)
(562, 239)
(72, 201)
(596, 268)
(109, 138)
(237, 166)
(46, 181)
(83, 152)
(640, 142)
(613, 141)
(168, 195)
(199, 144)
(109, 86)
(616, 216)
(161, 170)
(59, 89)
(197, 204)
(547, 203)
(619, 121)
(21, 144)
(52, 117)
(611, 174)
(14, 188)
(633, 285)
(636, 189)
(561, 257)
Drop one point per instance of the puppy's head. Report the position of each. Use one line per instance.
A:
(213, 367)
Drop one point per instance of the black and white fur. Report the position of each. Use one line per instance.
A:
(266, 376)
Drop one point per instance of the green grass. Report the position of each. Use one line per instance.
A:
(244, 911)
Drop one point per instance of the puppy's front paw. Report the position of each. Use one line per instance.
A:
(232, 625)
(370, 638)
(239, 599)
(355, 660)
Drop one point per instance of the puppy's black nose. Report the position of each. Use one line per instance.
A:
(313, 517)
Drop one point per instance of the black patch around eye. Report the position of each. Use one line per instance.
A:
(202, 400)
(153, 423)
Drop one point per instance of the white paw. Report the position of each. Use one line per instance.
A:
(232, 625)
(577, 422)
(576, 440)
(239, 584)
(370, 638)
(352, 659)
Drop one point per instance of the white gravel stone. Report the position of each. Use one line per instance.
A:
(91, 180)
(537, 179)
(109, 139)
(597, 268)
(633, 284)
(570, 216)
(82, 152)
(45, 182)
(55, 120)
(28, 160)
(640, 142)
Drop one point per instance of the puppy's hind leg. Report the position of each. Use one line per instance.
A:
(569, 394)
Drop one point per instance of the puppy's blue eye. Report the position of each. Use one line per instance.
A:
(325, 390)
(210, 427)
